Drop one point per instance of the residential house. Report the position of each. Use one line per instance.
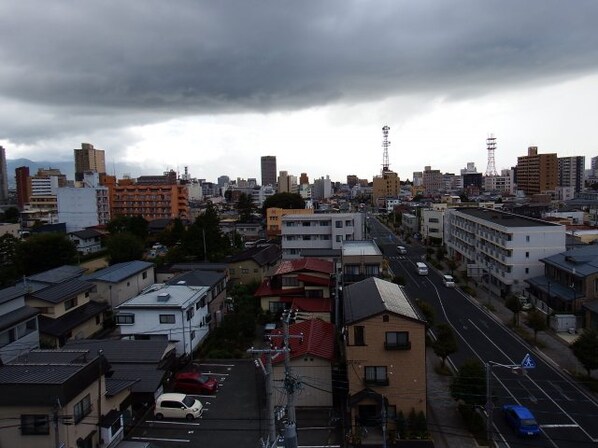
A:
(361, 260)
(174, 313)
(61, 398)
(18, 324)
(118, 283)
(67, 312)
(311, 358)
(166, 272)
(308, 278)
(252, 264)
(87, 241)
(216, 292)
(146, 363)
(385, 352)
(501, 249)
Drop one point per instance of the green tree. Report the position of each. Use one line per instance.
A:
(513, 304)
(445, 343)
(44, 251)
(536, 320)
(9, 272)
(585, 349)
(136, 225)
(470, 383)
(284, 200)
(206, 228)
(124, 246)
(11, 215)
(245, 207)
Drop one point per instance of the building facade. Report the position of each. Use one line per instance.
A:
(149, 201)
(537, 173)
(386, 185)
(87, 158)
(268, 165)
(319, 231)
(83, 207)
(3, 177)
(501, 249)
(572, 172)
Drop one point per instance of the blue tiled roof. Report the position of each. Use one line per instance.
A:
(62, 291)
(118, 272)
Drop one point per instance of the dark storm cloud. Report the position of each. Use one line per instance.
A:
(128, 62)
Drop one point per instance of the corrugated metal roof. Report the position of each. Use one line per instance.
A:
(198, 278)
(118, 272)
(63, 291)
(373, 296)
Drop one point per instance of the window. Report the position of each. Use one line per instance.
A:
(397, 340)
(290, 281)
(71, 303)
(87, 294)
(167, 318)
(339, 238)
(244, 271)
(275, 307)
(348, 223)
(314, 293)
(527, 238)
(98, 319)
(125, 319)
(82, 409)
(35, 424)
(190, 313)
(232, 271)
(376, 375)
(338, 224)
(192, 334)
(527, 270)
(527, 255)
(386, 318)
(144, 275)
(359, 335)
(434, 220)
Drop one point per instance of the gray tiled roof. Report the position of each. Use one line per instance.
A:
(86, 234)
(63, 291)
(373, 296)
(583, 259)
(58, 275)
(12, 318)
(262, 255)
(198, 278)
(46, 374)
(128, 351)
(118, 272)
(19, 290)
(147, 378)
(115, 386)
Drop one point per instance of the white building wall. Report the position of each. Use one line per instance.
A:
(432, 223)
(80, 208)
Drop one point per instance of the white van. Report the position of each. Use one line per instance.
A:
(421, 267)
(402, 250)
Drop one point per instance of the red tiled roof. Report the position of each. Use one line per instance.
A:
(318, 340)
(309, 305)
(304, 264)
(314, 280)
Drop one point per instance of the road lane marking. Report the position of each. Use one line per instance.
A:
(560, 425)
(167, 422)
(560, 390)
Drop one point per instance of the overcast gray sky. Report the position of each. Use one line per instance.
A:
(213, 85)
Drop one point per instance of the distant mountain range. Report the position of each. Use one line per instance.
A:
(66, 168)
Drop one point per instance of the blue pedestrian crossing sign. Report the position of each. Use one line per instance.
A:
(528, 362)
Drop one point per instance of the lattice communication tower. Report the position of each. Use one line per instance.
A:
(385, 145)
(491, 145)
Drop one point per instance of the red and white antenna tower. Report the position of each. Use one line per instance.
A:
(385, 145)
(491, 145)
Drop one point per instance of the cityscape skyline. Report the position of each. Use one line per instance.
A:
(216, 86)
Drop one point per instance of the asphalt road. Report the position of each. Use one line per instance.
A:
(566, 413)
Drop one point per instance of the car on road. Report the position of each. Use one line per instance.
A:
(402, 250)
(177, 406)
(448, 281)
(421, 268)
(521, 420)
(195, 383)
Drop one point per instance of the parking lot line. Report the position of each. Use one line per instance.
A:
(158, 439)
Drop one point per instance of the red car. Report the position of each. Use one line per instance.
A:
(194, 383)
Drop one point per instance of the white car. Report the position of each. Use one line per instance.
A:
(177, 406)
(402, 249)
(448, 281)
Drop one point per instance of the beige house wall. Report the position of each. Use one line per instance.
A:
(406, 369)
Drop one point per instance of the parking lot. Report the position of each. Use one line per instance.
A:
(233, 416)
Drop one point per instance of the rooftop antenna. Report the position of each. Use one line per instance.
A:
(385, 145)
(491, 145)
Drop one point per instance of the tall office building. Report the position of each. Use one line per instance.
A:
(3, 177)
(23, 186)
(572, 172)
(89, 159)
(537, 173)
(268, 170)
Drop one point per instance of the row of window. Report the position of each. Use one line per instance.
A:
(394, 340)
(14, 334)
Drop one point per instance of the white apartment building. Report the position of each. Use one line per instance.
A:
(176, 313)
(318, 231)
(85, 206)
(432, 222)
(504, 183)
(501, 249)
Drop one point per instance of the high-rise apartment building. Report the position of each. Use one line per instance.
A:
(87, 158)
(303, 179)
(269, 170)
(23, 186)
(432, 181)
(537, 173)
(3, 177)
(387, 185)
(572, 172)
(287, 183)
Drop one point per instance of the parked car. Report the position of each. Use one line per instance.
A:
(521, 420)
(194, 383)
(177, 406)
(448, 281)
